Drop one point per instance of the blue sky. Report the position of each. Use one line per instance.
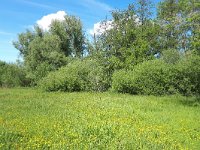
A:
(18, 15)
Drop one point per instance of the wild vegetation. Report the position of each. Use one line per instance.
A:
(138, 52)
(31, 119)
(157, 77)
(154, 58)
(12, 75)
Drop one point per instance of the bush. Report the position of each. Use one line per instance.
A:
(157, 77)
(149, 78)
(12, 75)
(188, 75)
(171, 56)
(123, 81)
(79, 75)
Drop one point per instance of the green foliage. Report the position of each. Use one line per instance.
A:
(46, 51)
(188, 76)
(24, 39)
(79, 75)
(159, 78)
(71, 35)
(31, 119)
(148, 78)
(129, 46)
(171, 56)
(44, 55)
(12, 75)
(123, 81)
(144, 10)
(179, 21)
(132, 38)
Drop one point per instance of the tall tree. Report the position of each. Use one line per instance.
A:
(194, 21)
(147, 31)
(45, 51)
(44, 56)
(143, 11)
(117, 41)
(24, 39)
(71, 34)
(180, 24)
(132, 38)
(167, 15)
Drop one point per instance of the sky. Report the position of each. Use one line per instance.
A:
(18, 15)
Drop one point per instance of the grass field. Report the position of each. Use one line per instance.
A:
(31, 119)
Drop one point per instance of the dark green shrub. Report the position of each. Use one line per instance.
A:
(157, 77)
(123, 81)
(151, 78)
(12, 75)
(188, 75)
(171, 56)
(79, 75)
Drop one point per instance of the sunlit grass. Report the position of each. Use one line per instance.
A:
(31, 119)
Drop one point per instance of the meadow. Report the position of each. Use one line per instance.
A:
(32, 119)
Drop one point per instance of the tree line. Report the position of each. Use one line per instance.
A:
(141, 53)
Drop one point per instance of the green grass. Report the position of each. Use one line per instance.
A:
(31, 119)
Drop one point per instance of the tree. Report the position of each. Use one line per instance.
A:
(71, 35)
(180, 24)
(44, 55)
(167, 16)
(45, 51)
(117, 41)
(143, 10)
(24, 39)
(132, 38)
(147, 42)
(12, 75)
(194, 22)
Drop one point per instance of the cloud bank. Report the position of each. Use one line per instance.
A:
(45, 22)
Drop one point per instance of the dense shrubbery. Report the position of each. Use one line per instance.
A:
(12, 75)
(79, 75)
(157, 77)
(188, 75)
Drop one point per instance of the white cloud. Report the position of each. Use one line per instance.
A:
(100, 27)
(45, 21)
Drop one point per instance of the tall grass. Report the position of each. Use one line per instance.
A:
(30, 119)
